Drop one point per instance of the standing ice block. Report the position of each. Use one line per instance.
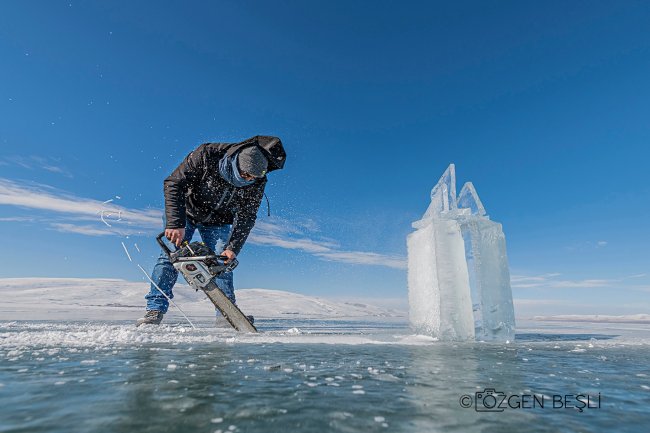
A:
(458, 276)
(439, 292)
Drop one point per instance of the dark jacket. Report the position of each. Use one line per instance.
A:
(196, 190)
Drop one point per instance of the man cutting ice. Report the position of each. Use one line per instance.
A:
(216, 190)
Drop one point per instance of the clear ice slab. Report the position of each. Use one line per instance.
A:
(458, 275)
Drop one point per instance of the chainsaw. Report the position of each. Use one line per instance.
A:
(199, 265)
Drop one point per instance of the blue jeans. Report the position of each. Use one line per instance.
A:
(165, 276)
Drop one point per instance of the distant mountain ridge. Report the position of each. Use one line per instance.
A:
(115, 299)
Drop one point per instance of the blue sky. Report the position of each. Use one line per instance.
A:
(544, 106)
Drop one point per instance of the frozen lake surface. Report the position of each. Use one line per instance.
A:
(317, 376)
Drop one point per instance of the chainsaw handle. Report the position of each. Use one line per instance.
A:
(230, 266)
(162, 244)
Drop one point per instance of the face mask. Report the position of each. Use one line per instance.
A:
(229, 171)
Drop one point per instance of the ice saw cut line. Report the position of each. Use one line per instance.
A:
(199, 266)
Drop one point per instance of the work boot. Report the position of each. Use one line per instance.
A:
(152, 317)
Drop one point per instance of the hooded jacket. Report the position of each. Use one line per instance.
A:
(196, 191)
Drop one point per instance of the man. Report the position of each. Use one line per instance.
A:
(216, 190)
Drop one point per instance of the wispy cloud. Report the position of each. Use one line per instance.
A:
(587, 245)
(530, 281)
(114, 218)
(521, 303)
(324, 249)
(303, 235)
(82, 229)
(68, 213)
(17, 219)
(34, 162)
(552, 281)
(363, 258)
(260, 237)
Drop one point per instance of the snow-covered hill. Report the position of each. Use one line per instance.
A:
(114, 299)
